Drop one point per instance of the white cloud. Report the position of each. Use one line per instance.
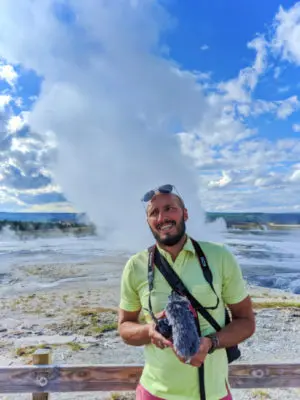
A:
(4, 101)
(19, 102)
(277, 72)
(64, 207)
(287, 33)
(10, 199)
(295, 177)
(22, 154)
(240, 88)
(16, 122)
(283, 89)
(204, 47)
(234, 90)
(282, 108)
(287, 107)
(8, 74)
(224, 181)
(23, 145)
(262, 107)
(270, 180)
(296, 127)
(247, 175)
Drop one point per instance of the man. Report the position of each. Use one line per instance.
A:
(165, 375)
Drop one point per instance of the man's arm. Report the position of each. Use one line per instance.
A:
(242, 325)
(137, 334)
(130, 330)
(235, 296)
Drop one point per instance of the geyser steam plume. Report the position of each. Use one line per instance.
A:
(114, 101)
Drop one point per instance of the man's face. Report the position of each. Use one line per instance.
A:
(166, 219)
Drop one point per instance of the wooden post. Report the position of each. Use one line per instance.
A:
(41, 357)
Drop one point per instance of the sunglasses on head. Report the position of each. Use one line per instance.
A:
(160, 189)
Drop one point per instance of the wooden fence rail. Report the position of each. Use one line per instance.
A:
(43, 379)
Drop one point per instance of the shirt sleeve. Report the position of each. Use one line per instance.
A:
(129, 300)
(233, 286)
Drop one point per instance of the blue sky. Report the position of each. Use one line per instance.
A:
(99, 99)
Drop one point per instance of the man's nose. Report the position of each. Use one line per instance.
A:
(161, 217)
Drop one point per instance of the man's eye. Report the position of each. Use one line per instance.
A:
(169, 208)
(153, 213)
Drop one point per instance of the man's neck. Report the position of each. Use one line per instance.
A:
(176, 249)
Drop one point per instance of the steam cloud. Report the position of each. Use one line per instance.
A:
(114, 102)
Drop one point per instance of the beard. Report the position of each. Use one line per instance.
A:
(171, 239)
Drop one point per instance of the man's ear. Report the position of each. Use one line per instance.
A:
(185, 214)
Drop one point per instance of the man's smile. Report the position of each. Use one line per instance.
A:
(166, 227)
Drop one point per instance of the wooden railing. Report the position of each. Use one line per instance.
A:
(43, 378)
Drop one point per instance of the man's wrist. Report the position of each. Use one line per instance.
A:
(215, 344)
(148, 328)
(209, 343)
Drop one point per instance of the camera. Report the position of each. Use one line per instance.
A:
(164, 328)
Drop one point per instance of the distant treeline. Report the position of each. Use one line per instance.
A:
(32, 227)
(257, 220)
(38, 225)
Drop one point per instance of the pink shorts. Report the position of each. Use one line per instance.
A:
(143, 394)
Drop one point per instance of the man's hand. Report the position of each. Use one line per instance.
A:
(157, 339)
(136, 334)
(198, 359)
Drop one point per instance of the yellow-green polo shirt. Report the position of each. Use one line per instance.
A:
(163, 374)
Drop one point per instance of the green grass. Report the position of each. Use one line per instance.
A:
(94, 312)
(260, 394)
(122, 396)
(88, 321)
(29, 350)
(49, 315)
(75, 346)
(98, 320)
(107, 327)
(276, 304)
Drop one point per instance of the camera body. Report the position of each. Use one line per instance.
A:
(164, 328)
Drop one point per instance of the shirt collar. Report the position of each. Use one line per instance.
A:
(188, 246)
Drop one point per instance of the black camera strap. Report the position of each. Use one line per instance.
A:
(208, 277)
(206, 271)
(151, 251)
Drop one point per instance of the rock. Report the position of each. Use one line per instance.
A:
(295, 315)
(17, 333)
(99, 336)
(3, 330)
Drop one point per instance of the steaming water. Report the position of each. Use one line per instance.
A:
(267, 258)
